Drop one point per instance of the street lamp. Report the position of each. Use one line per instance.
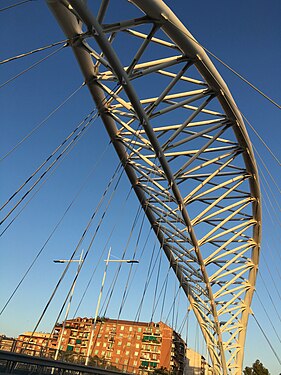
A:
(122, 260)
(108, 260)
(79, 261)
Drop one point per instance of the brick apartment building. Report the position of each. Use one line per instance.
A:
(136, 346)
(33, 343)
(7, 343)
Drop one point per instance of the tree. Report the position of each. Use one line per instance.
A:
(161, 371)
(256, 369)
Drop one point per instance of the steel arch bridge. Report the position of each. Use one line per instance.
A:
(185, 149)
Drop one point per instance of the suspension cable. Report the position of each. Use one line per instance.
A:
(176, 292)
(102, 254)
(76, 249)
(82, 186)
(270, 297)
(165, 291)
(270, 175)
(40, 49)
(78, 135)
(271, 276)
(32, 66)
(268, 317)
(95, 232)
(140, 258)
(267, 339)
(127, 287)
(81, 124)
(156, 285)
(261, 139)
(229, 67)
(131, 283)
(127, 245)
(272, 206)
(42, 122)
(119, 166)
(43, 183)
(73, 141)
(147, 281)
(273, 261)
(113, 284)
(183, 323)
(15, 5)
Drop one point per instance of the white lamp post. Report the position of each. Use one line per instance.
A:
(99, 299)
(79, 261)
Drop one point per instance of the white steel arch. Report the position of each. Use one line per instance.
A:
(185, 149)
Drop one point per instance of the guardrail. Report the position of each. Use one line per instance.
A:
(17, 363)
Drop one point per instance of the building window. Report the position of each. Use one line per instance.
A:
(136, 354)
(122, 328)
(119, 343)
(144, 364)
(137, 346)
(127, 352)
(139, 329)
(118, 351)
(96, 352)
(130, 329)
(128, 344)
(98, 343)
(104, 344)
(135, 363)
(117, 360)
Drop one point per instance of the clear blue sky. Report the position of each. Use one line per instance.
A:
(244, 34)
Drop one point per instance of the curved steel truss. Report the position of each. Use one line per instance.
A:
(185, 149)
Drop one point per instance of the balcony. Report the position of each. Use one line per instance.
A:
(151, 338)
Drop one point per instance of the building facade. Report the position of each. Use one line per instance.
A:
(130, 346)
(33, 343)
(197, 364)
(7, 343)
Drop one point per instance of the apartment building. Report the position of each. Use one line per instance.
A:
(33, 343)
(7, 343)
(138, 347)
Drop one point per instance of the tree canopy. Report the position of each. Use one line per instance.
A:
(257, 369)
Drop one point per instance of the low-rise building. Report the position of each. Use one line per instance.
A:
(196, 364)
(33, 343)
(7, 343)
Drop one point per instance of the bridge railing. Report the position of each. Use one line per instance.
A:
(16, 363)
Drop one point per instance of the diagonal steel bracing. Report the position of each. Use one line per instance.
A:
(184, 147)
